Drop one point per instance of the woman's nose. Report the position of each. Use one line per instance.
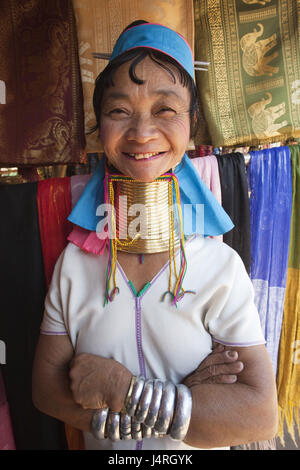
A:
(142, 129)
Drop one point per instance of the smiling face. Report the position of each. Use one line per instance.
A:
(145, 129)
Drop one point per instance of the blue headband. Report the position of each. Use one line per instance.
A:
(157, 37)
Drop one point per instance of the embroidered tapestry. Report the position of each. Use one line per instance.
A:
(251, 94)
(99, 24)
(41, 112)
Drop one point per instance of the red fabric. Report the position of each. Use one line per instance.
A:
(7, 441)
(54, 206)
(54, 201)
(200, 151)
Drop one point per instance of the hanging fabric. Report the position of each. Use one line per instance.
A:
(207, 167)
(7, 441)
(235, 201)
(288, 377)
(41, 117)
(23, 291)
(270, 206)
(54, 200)
(54, 206)
(250, 94)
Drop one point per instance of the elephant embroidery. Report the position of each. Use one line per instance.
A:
(260, 2)
(263, 118)
(254, 60)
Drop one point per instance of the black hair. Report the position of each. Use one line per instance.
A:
(105, 78)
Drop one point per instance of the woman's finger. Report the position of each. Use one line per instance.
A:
(214, 358)
(221, 379)
(214, 370)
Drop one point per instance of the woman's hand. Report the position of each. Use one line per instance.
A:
(97, 382)
(219, 367)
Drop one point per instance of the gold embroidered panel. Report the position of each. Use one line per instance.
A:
(100, 22)
(251, 94)
(41, 110)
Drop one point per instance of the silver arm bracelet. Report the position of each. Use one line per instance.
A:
(98, 423)
(182, 413)
(113, 426)
(133, 400)
(166, 410)
(160, 408)
(136, 430)
(144, 402)
(146, 432)
(125, 427)
(151, 417)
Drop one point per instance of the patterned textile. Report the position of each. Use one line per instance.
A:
(288, 378)
(251, 93)
(99, 24)
(270, 208)
(41, 110)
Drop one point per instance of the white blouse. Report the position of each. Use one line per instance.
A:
(151, 337)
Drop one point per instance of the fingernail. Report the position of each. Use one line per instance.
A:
(231, 353)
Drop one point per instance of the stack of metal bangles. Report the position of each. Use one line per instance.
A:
(152, 408)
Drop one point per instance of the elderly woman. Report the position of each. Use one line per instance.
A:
(136, 305)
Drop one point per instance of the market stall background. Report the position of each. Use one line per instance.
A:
(246, 150)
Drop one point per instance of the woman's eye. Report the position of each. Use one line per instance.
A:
(118, 112)
(166, 111)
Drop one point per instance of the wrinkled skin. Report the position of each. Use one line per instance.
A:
(97, 382)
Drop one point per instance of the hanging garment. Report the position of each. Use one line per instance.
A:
(7, 441)
(251, 92)
(270, 206)
(54, 200)
(41, 117)
(288, 377)
(54, 206)
(98, 26)
(77, 185)
(23, 292)
(235, 201)
(207, 167)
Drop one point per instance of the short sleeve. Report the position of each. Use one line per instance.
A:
(53, 321)
(232, 318)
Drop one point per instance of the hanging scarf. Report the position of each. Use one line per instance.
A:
(54, 201)
(288, 377)
(54, 205)
(235, 200)
(270, 203)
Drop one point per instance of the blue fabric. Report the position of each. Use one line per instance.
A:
(156, 37)
(270, 183)
(193, 192)
(270, 206)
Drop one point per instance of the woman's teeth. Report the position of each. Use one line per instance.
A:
(139, 156)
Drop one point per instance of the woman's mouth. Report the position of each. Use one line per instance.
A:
(144, 156)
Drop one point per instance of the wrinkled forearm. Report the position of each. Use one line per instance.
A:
(52, 396)
(228, 415)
